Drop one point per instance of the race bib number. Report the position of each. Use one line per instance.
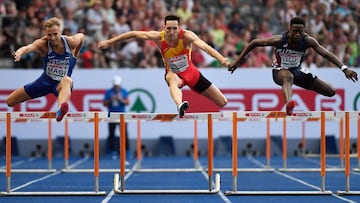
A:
(290, 61)
(290, 58)
(56, 69)
(178, 63)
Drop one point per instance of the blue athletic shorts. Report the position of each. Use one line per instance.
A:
(41, 87)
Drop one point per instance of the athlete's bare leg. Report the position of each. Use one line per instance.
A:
(64, 93)
(17, 96)
(174, 83)
(285, 79)
(323, 88)
(64, 90)
(215, 95)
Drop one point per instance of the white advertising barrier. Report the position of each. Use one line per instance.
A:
(246, 89)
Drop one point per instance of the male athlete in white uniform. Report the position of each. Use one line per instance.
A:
(290, 48)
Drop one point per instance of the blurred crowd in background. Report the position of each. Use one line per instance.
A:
(226, 25)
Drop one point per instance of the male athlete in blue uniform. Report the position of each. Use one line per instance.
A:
(58, 54)
(290, 48)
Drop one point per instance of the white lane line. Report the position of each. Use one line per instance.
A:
(46, 177)
(34, 181)
(298, 180)
(111, 194)
(78, 162)
(220, 193)
(329, 165)
(17, 163)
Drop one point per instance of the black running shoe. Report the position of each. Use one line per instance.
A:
(183, 107)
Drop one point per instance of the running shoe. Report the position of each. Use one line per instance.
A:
(64, 108)
(183, 107)
(290, 107)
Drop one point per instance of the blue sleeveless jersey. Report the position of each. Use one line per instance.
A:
(55, 66)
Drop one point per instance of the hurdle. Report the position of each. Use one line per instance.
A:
(226, 116)
(358, 146)
(94, 117)
(49, 150)
(139, 157)
(347, 190)
(307, 117)
(341, 146)
(262, 115)
(119, 180)
(74, 118)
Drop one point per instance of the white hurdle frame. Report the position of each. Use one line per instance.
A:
(348, 116)
(90, 116)
(299, 116)
(49, 151)
(119, 180)
(262, 115)
(358, 146)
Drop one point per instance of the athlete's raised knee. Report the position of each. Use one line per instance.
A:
(330, 93)
(223, 102)
(66, 79)
(10, 102)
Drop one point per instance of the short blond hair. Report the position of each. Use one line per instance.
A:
(52, 22)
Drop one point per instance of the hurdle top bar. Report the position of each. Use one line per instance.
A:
(33, 116)
(163, 116)
(115, 116)
(306, 115)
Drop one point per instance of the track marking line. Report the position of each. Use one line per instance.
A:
(46, 177)
(220, 193)
(299, 181)
(112, 193)
(17, 163)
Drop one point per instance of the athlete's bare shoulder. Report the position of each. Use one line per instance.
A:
(310, 41)
(75, 40)
(41, 45)
(274, 40)
(191, 37)
(188, 34)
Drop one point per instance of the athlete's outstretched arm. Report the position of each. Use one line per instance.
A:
(253, 44)
(35, 46)
(349, 74)
(191, 37)
(145, 35)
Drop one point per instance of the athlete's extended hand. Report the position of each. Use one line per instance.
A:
(232, 67)
(104, 44)
(225, 62)
(17, 56)
(351, 75)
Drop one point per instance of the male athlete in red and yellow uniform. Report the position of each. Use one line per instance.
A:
(175, 45)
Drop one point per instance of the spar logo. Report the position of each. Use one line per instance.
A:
(266, 100)
(141, 101)
(356, 103)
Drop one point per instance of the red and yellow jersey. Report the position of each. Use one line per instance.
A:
(176, 59)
